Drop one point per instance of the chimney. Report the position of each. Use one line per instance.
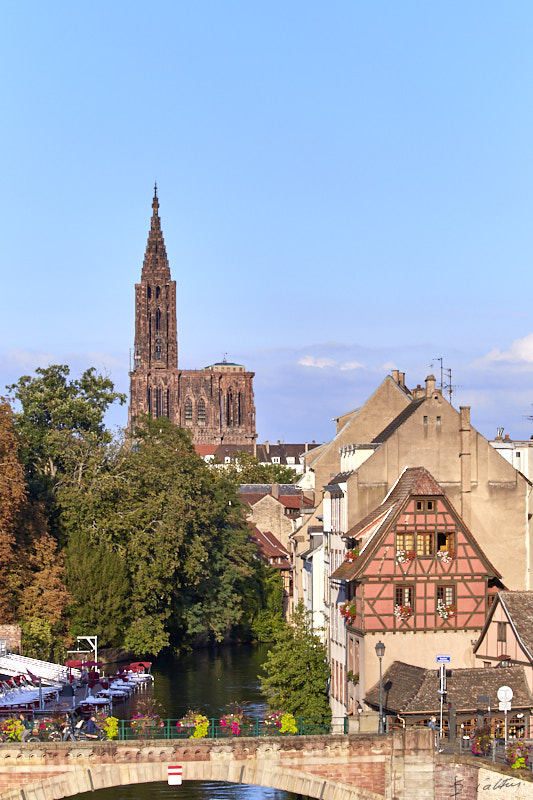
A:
(402, 380)
(396, 376)
(267, 447)
(466, 466)
(430, 386)
(418, 393)
(275, 490)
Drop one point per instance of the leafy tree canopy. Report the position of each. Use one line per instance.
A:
(178, 528)
(296, 673)
(246, 468)
(55, 408)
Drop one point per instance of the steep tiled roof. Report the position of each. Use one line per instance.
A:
(398, 421)
(270, 549)
(205, 449)
(519, 608)
(414, 690)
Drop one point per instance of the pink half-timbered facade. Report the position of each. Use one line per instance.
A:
(413, 577)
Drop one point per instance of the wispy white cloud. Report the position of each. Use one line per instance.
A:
(352, 365)
(322, 361)
(520, 353)
(312, 361)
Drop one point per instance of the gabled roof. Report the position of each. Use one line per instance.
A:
(398, 421)
(414, 690)
(414, 481)
(269, 548)
(518, 607)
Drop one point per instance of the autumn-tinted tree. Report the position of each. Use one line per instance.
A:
(12, 500)
(295, 674)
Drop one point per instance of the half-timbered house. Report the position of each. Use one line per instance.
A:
(507, 636)
(414, 577)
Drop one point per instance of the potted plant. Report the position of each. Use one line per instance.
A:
(147, 722)
(481, 741)
(194, 725)
(517, 754)
(235, 721)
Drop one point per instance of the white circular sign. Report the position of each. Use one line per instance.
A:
(505, 694)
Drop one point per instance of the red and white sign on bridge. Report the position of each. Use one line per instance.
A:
(175, 776)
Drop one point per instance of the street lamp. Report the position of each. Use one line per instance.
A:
(380, 652)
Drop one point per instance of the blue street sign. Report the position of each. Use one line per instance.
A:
(443, 659)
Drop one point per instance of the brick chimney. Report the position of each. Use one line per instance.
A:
(466, 466)
(275, 490)
(430, 386)
(396, 375)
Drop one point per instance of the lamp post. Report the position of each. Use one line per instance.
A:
(380, 652)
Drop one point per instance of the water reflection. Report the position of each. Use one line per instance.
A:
(206, 681)
(190, 790)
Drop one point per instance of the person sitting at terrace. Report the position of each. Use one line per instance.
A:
(92, 731)
(28, 727)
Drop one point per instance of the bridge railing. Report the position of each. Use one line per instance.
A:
(168, 729)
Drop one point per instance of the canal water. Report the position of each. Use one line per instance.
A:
(206, 680)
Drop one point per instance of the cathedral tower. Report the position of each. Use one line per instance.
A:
(217, 403)
(155, 353)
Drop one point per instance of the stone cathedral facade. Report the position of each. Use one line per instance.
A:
(216, 403)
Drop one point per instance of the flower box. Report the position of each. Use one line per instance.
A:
(446, 611)
(446, 556)
(351, 555)
(348, 611)
(403, 612)
(405, 556)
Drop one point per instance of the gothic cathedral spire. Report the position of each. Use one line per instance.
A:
(216, 403)
(155, 358)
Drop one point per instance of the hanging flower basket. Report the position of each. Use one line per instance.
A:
(351, 555)
(194, 724)
(446, 611)
(348, 610)
(446, 556)
(403, 612)
(405, 556)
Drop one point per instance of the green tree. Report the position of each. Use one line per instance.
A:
(296, 673)
(99, 582)
(179, 529)
(54, 409)
(245, 468)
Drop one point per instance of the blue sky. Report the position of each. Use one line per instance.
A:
(345, 187)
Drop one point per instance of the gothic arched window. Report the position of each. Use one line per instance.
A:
(158, 349)
(201, 411)
(157, 292)
(188, 411)
(229, 408)
(149, 291)
(158, 319)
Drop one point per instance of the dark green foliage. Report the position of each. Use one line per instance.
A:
(296, 673)
(99, 583)
(179, 529)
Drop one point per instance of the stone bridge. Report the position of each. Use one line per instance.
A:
(398, 766)
(402, 765)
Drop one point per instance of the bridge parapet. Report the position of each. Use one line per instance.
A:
(337, 767)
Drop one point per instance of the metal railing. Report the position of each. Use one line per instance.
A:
(463, 747)
(168, 729)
